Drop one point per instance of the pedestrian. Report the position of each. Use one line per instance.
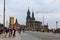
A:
(10, 32)
(23, 30)
(14, 31)
(6, 32)
(19, 31)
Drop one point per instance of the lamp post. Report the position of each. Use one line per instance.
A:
(43, 22)
(4, 15)
(56, 24)
(43, 19)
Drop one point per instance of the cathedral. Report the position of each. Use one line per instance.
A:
(32, 24)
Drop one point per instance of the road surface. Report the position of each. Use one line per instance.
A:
(33, 35)
(26, 36)
(40, 36)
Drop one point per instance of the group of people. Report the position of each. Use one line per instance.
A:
(10, 32)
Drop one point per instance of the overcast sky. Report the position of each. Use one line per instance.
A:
(18, 9)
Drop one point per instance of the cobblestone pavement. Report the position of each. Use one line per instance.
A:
(18, 37)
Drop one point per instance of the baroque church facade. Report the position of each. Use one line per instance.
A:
(32, 24)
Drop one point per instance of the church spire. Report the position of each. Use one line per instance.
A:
(16, 21)
(28, 16)
(33, 16)
(28, 13)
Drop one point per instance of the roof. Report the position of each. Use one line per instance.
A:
(36, 21)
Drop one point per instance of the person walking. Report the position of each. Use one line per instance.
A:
(6, 32)
(19, 31)
(14, 31)
(10, 32)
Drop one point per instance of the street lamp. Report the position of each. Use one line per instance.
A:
(43, 22)
(4, 15)
(56, 24)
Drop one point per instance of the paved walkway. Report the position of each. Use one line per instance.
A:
(26, 36)
(18, 37)
(45, 35)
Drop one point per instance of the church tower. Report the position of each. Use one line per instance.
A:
(28, 16)
(16, 22)
(33, 16)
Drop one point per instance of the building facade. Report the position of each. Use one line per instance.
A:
(11, 22)
(17, 25)
(32, 24)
